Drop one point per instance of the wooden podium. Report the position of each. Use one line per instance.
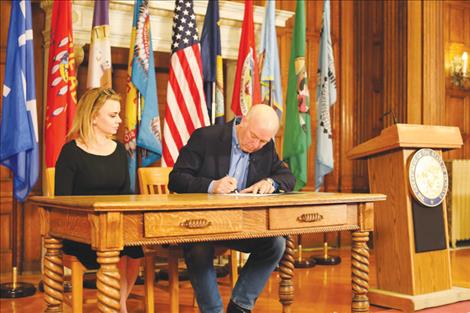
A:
(410, 239)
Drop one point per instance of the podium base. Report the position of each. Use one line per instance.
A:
(19, 291)
(409, 303)
(305, 263)
(326, 260)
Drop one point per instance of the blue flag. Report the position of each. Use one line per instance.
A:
(271, 89)
(19, 126)
(326, 97)
(211, 55)
(143, 77)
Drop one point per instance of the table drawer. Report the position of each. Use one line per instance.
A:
(164, 224)
(307, 216)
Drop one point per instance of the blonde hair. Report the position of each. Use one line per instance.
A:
(88, 106)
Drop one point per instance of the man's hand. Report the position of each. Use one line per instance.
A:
(226, 184)
(262, 187)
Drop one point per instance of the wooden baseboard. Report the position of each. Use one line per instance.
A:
(408, 303)
(461, 283)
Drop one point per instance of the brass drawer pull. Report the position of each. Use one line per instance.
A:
(196, 223)
(310, 217)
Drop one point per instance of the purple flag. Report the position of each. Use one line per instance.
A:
(99, 65)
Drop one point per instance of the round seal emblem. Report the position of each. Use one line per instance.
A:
(428, 177)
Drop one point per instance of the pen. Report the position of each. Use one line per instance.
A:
(236, 189)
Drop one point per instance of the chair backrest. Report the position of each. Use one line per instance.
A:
(154, 180)
(50, 179)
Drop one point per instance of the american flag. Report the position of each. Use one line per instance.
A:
(186, 108)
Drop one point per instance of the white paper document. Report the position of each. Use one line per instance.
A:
(238, 194)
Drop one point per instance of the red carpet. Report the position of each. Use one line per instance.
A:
(459, 307)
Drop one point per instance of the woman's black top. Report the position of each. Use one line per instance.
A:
(79, 173)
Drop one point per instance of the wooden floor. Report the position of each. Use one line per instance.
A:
(320, 289)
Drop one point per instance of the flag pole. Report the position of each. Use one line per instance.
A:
(140, 280)
(15, 289)
(213, 104)
(325, 98)
(301, 262)
(138, 150)
(270, 99)
(325, 258)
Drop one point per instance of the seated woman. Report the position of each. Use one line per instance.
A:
(95, 164)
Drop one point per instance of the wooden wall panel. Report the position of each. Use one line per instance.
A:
(457, 19)
(394, 65)
(31, 252)
(5, 234)
(415, 64)
(458, 114)
(332, 181)
(401, 51)
(466, 9)
(369, 87)
(457, 101)
(346, 103)
(433, 74)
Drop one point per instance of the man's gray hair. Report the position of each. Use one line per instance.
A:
(265, 115)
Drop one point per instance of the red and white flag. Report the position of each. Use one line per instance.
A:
(186, 108)
(246, 89)
(61, 81)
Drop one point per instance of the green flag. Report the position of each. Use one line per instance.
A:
(297, 136)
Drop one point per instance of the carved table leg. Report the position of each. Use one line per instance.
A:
(360, 272)
(107, 282)
(286, 272)
(53, 275)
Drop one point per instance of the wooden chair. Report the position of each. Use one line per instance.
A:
(75, 301)
(154, 180)
(69, 261)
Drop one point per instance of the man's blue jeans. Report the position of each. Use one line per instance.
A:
(265, 254)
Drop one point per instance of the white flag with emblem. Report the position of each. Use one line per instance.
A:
(326, 97)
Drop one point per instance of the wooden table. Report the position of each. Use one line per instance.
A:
(109, 223)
